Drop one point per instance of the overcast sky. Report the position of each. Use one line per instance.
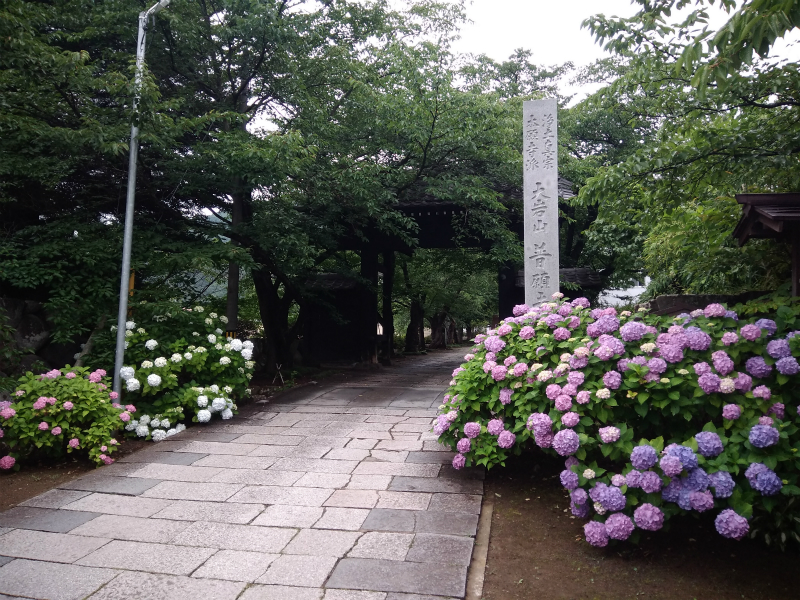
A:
(551, 29)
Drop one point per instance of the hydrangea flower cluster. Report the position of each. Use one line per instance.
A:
(603, 387)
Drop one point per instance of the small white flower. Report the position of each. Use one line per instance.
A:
(142, 430)
(536, 366)
(126, 345)
(155, 423)
(146, 364)
(212, 315)
(224, 360)
(604, 393)
(588, 474)
(226, 414)
(218, 346)
(249, 364)
(113, 328)
(564, 358)
(214, 388)
(165, 423)
(171, 432)
(202, 401)
(158, 435)
(141, 330)
(191, 348)
(227, 347)
(224, 319)
(248, 345)
(241, 370)
(247, 353)
(664, 380)
(727, 385)
(236, 345)
(188, 356)
(132, 384)
(199, 390)
(194, 333)
(218, 404)
(199, 349)
(130, 325)
(151, 344)
(212, 338)
(544, 376)
(209, 321)
(180, 427)
(176, 358)
(128, 334)
(648, 347)
(198, 309)
(582, 352)
(144, 419)
(517, 385)
(203, 416)
(126, 372)
(218, 331)
(228, 389)
(160, 362)
(599, 508)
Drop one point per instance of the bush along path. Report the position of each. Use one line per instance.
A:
(335, 492)
(656, 417)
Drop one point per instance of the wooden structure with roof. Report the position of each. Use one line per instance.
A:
(774, 216)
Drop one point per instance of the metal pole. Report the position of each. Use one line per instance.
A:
(124, 282)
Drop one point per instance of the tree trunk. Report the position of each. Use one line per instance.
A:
(388, 314)
(415, 340)
(274, 312)
(439, 327)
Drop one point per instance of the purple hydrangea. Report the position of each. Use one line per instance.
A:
(619, 526)
(566, 442)
(579, 496)
(767, 324)
(731, 412)
(576, 378)
(709, 382)
(762, 392)
(612, 380)
(561, 334)
(698, 340)
(609, 434)
(552, 391)
(581, 302)
(685, 499)
(701, 501)
(596, 534)
(494, 344)
(729, 338)
(569, 479)
(544, 440)
(609, 340)
(656, 365)
(671, 465)
(571, 462)
(464, 445)
(472, 430)
(578, 362)
(605, 324)
(604, 353)
(633, 331)
(731, 314)
(778, 409)
(714, 310)
(763, 436)
(757, 367)
(633, 479)
(495, 426)
(722, 362)
(459, 460)
(499, 372)
(765, 421)
(767, 482)
(671, 353)
(779, 349)
(553, 320)
(563, 402)
(540, 423)
(701, 368)
(650, 482)
(743, 382)
(753, 470)
(618, 480)
(787, 365)
(750, 332)
(570, 390)
(644, 457)
(686, 455)
(579, 510)
(506, 439)
(697, 480)
(505, 395)
(564, 310)
(708, 444)
(520, 309)
(648, 517)
(731, 525)
(723, 484)
(672, 491)
(570, 419)
(527, 332)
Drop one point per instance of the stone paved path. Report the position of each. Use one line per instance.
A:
(334, 492)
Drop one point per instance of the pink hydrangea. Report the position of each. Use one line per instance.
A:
(125, 416)
(495, 426)
(731, 412)
(499, 372)
(563, 402)
(569, 390)
(464, 445)
(43, 426)
(505, 395)
(113, 395)
(40, 403)
(472, 429)
(762, 391)
(489, 365)
(750, 332)
(526, 333)
(714, 310)
(729, 338)
(7, 412)
(70, 375)
(604, 353)
(459, 460)
(609, 434)
(510, 361)
(520, 369)
(107, 460)
(19, 393)
(56, 431)
(583, 397)
(506, 439)
(94, 378)
(561, 334)
(74, 443)
(570, 419)
(552, 391)
(68, 405)
(7, 462)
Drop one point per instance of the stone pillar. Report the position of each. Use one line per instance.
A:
(540, 179)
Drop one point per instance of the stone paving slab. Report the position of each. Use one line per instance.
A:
(44, 519)
(112, 504)
(169, 458)
(51, 581)
(396, 576)
(227, 536)
(54, 499)
(281, 592)
(41, 545)
(113, 485)
(132, 529)
(222, 512)
(152, 558)
(150, 586)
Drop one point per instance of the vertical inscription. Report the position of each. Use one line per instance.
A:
(540, 163)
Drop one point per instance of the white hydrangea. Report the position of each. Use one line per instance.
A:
(176, 358)
(224, 360)
(142, 430)
(227, 347)
(126, 345)
(227, 414)
(218, 404)
(180, 427)
(212, 338)
(188, 356)
(128, 334)
(144, 419)
(248, 345)
(160, 362)
(126, 372)
(218, 331)
(131, 425)
(198, 309)
(132, 384)
(141, 330)
(544, 375)
(171, 432)
(199, 390)
(202, 401)
(247, 353)
(249, 364)
(130, 325)
(224, 319)
(227, 389)
(648, 347)
(236, 345)
(589, 474)
(155, 423)
(209, 321)
(158, 435)
(146, 364)
(214, 388)
(165, 423)
(195, 333)
(151, 344)
(199, 349)
(153, 380)
(113, 328)
(191, 348)
(241, 370)
(218, 346)
(203, 416)
(603, 393)
(212, 315)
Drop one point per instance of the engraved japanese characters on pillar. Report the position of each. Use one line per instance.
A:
(540, 160)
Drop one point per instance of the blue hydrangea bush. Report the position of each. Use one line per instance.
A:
(655, 416)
